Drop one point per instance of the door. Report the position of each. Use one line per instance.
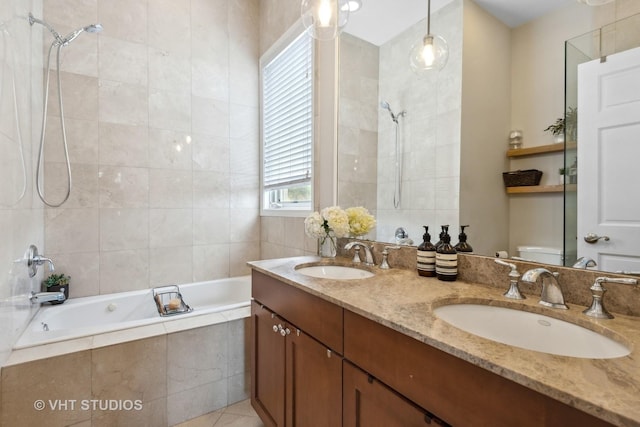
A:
(314, 382)
(267, 366)
(608, 155)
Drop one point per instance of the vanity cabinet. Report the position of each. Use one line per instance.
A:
(454, 390)
(316, 364)
(296, 378)
(368, 402)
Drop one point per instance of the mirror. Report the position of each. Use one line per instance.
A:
(374, 114)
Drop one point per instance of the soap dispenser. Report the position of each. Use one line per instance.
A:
(426, 255)
(446, 259)
(462, 245)
(442, 233)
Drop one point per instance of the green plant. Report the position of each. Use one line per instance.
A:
(571, 123)
(56, 280)
(562, 171)
(557, 128)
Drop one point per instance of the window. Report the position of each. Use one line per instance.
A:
(287, 125)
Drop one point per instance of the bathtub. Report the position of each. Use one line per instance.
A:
(87, 316)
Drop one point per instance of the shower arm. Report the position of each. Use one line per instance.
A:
(56, 35)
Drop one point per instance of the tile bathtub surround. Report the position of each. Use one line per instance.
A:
(162, 121)
(177, 376)
(575, 283)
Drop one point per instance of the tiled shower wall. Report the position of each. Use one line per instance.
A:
(162, 115)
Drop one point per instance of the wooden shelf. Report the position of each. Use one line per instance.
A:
(540, 149)
(541, 189)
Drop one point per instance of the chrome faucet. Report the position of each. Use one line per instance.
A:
(367, 252)
(551, 295)
(597, 309)
(584, 263)
(34, 260)
(41, 297)
(513, 292)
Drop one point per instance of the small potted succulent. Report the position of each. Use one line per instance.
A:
(563, 173)
(57, 283)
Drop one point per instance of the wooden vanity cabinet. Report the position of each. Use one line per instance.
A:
(296, 378)
(368, 402)
(454, 390)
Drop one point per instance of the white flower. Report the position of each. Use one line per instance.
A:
(314, 225)
(337, 220)
(360, 220)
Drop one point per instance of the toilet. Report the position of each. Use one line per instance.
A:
(541, 254)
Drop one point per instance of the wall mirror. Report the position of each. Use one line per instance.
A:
(386, 131)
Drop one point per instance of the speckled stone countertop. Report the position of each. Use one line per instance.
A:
(402, 300)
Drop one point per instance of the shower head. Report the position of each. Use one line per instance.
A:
(93, 28)
(385, 105)
(59, 40)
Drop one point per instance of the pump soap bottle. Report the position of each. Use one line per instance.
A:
(446, 259)
(426, 255)
(462, 245)
(442, 233)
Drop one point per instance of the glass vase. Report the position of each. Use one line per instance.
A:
(328, 246)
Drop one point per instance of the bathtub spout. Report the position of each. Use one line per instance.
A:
(41, 297)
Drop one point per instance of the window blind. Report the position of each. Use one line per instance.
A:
(287, 121)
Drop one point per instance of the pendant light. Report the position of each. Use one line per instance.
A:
(324, 19)
(431, 52)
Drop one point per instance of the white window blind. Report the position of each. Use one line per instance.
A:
(287, 126)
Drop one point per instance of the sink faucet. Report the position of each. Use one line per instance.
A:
(551, 295)
(597, 309)
(367, 251)
(41, 297)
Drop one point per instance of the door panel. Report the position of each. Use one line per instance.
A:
(608, 153)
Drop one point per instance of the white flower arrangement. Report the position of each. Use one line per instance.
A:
(333, 221)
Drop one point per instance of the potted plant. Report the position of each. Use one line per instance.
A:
(571, 123)
(57, 283)
(557, 130)
(562, 172)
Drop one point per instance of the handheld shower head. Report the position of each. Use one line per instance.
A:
(93, 28)
(385, 105)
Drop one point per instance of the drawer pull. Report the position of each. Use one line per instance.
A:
(328, 353)
(275, 328)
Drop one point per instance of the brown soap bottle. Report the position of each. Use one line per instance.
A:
(426, 255)
(446, 259)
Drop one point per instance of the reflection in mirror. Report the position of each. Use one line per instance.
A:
(443, 134)
(602, 223)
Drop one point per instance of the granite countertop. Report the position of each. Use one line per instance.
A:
(404, 301)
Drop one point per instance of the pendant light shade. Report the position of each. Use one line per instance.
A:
(324, 19)
(431, 52)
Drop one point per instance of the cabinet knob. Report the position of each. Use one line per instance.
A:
(275, 328)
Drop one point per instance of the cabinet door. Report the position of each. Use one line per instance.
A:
(267, 366)
(368, 402)
(314, 383)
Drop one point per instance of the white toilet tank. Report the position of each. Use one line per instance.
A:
(541, 254)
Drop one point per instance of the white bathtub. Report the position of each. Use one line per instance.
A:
(79, 317)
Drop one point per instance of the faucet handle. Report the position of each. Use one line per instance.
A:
(597, 309)
(513, 292)
(385, 253)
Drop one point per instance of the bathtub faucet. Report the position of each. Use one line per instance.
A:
(34, 260)
(41, 297)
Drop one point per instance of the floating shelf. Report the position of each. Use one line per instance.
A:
(540, 149)
(530, 189)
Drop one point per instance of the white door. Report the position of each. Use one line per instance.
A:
(609, 160)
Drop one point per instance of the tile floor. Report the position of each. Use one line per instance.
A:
(240, 414)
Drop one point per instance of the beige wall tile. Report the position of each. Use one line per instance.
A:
(169, 71)
(124, 229)
(123, 103)
(124, 145)
(124, 19)
(153, 413)
(169, 25)
(210, 117)
(169, 110)
(196, 401)
(84, 184)
(210, 190)
(169, 149)
(170, 188)
(124, 187)
(80, 97)
(211, 226)
(170, 227)
(210, 262)
(123, 61)
(64, 377)
(239, 254)
(125, 270)
(168, 266)
(83, 269)
(82, 140)
(71, 230)
(133, 370)
(210, 153)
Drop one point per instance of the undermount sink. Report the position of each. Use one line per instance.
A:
(531, 331)
(337, 272)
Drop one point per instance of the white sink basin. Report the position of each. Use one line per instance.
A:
(531, 331)
(338, 272)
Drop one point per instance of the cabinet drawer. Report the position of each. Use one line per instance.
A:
(455, 390)
(317, 317)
